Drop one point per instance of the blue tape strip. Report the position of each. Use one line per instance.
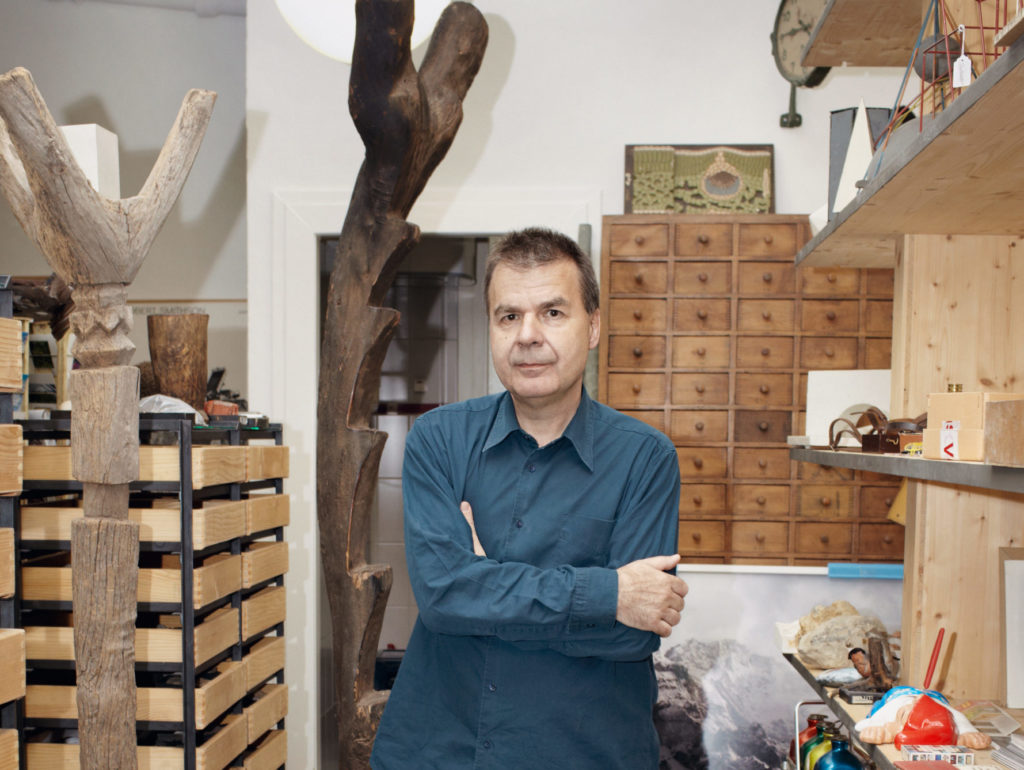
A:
(875, 571)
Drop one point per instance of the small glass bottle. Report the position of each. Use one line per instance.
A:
(840, 757)
(824, 747)
(818, 737)
(805, 735)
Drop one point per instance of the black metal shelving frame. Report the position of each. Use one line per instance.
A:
(226, 431)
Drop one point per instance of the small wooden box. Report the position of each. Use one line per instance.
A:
(269, 708)
(10, 355)
(265, 659)
(263, 512)
(262, 610)
(9, 753)
(12, 464)
(266, 462)
(269, 754)
(262, 561)
(12, 664)
(6, 563)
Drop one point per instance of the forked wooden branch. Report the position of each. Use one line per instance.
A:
(407, 121)
(96, 245)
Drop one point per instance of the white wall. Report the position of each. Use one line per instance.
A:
(563, 88)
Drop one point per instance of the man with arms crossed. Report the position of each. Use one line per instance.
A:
(540, 533)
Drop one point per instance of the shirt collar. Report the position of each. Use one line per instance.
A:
(579, 431)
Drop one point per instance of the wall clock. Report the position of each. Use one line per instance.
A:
(794, 23)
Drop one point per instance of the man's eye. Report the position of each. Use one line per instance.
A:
(508, 317)
(554, 312)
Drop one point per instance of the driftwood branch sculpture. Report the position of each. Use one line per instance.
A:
(407, 121)
(96, 245)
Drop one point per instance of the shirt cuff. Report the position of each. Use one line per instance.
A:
(595, 599)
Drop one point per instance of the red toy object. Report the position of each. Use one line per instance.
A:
(929, 723)
(934, 660)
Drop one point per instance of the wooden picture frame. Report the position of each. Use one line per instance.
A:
(700, 179)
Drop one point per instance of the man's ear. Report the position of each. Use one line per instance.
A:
(595, 328)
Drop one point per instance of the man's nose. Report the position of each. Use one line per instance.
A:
(529, 330)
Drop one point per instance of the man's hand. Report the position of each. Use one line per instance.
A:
(467, 512)
(649, 598)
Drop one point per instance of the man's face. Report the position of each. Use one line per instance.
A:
(861, 663)
(540, 332)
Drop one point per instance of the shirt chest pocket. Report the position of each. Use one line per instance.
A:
(585, 541)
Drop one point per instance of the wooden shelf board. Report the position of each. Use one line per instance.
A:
(864, 33)
(960, 176)
(970, 474)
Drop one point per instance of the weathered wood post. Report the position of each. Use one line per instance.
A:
(407, 121)
(96, 245)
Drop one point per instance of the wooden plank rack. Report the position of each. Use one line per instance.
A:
(209, 639)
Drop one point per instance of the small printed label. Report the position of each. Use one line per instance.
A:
(949, 440)
(961, 72)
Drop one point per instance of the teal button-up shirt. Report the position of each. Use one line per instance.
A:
(516, 660)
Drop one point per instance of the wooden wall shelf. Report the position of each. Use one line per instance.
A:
(961, 175)
(864, 33)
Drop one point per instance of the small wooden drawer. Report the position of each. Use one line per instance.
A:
(639, 277)
(761, 463)
(703, 352)
(764, 353)
(699, 388)
(269, 754)
(701, 536)
(878, 353)
(822, 501)
(885, 540)
(264, 660)
(217, 576)
(10, 355)
(760, 500)
(12, 664)
(634, 352)
(262, 561)
(708, 499)
(703, 277)
(775, 240)
(9, 750)
(828, 353)
(6, 562)
(765, 315)
(638, 240)
(762, 427)
(697, 426)
(702, 463)
(813, 537)
(815, 472)
(879, 282)
(653, 417)
(637, 315)
(875, 502)
(762, 389)
(878, 317)
(270, 706)
(216, 633)
(217, 521)
(829, 281)
(264, 512)
(760, 537)
(835, 315)
(636, 389)
(262, 611)
(701, 315)
(12, 460)
(767, 278)
(703, 240)
(266, 462)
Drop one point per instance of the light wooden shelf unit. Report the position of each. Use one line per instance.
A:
(866, 33)
(947, 215)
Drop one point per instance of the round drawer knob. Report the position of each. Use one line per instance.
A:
(636, 387)
(699, 388)
(763, 426)
(638, 352)
(701, 352)
(767, 277)
(832, 278)
(768, 239)
(831, 315)
(698, 500)
(887, 539)
(637, 314)
(759, 537)
(829, 353)
(826, 502)
(699, 426)
(824, 539)
(698, 462)
(639, 278)
(703, 239)
(702, 277)
(702, 314)
(764, 390)
(696, 537)
(888, 502)
(766, 352)
(766, 315)
(638, 239)
(761, 500)
(762, 463)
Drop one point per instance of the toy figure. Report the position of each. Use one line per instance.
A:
(909, 715)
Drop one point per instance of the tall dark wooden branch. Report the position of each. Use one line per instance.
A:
(407, 121)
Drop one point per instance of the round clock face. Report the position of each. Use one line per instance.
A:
(793, 26)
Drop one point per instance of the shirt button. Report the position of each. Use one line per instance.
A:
(492, 687)
(519, 523)
(487, 744)
(531, 467)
